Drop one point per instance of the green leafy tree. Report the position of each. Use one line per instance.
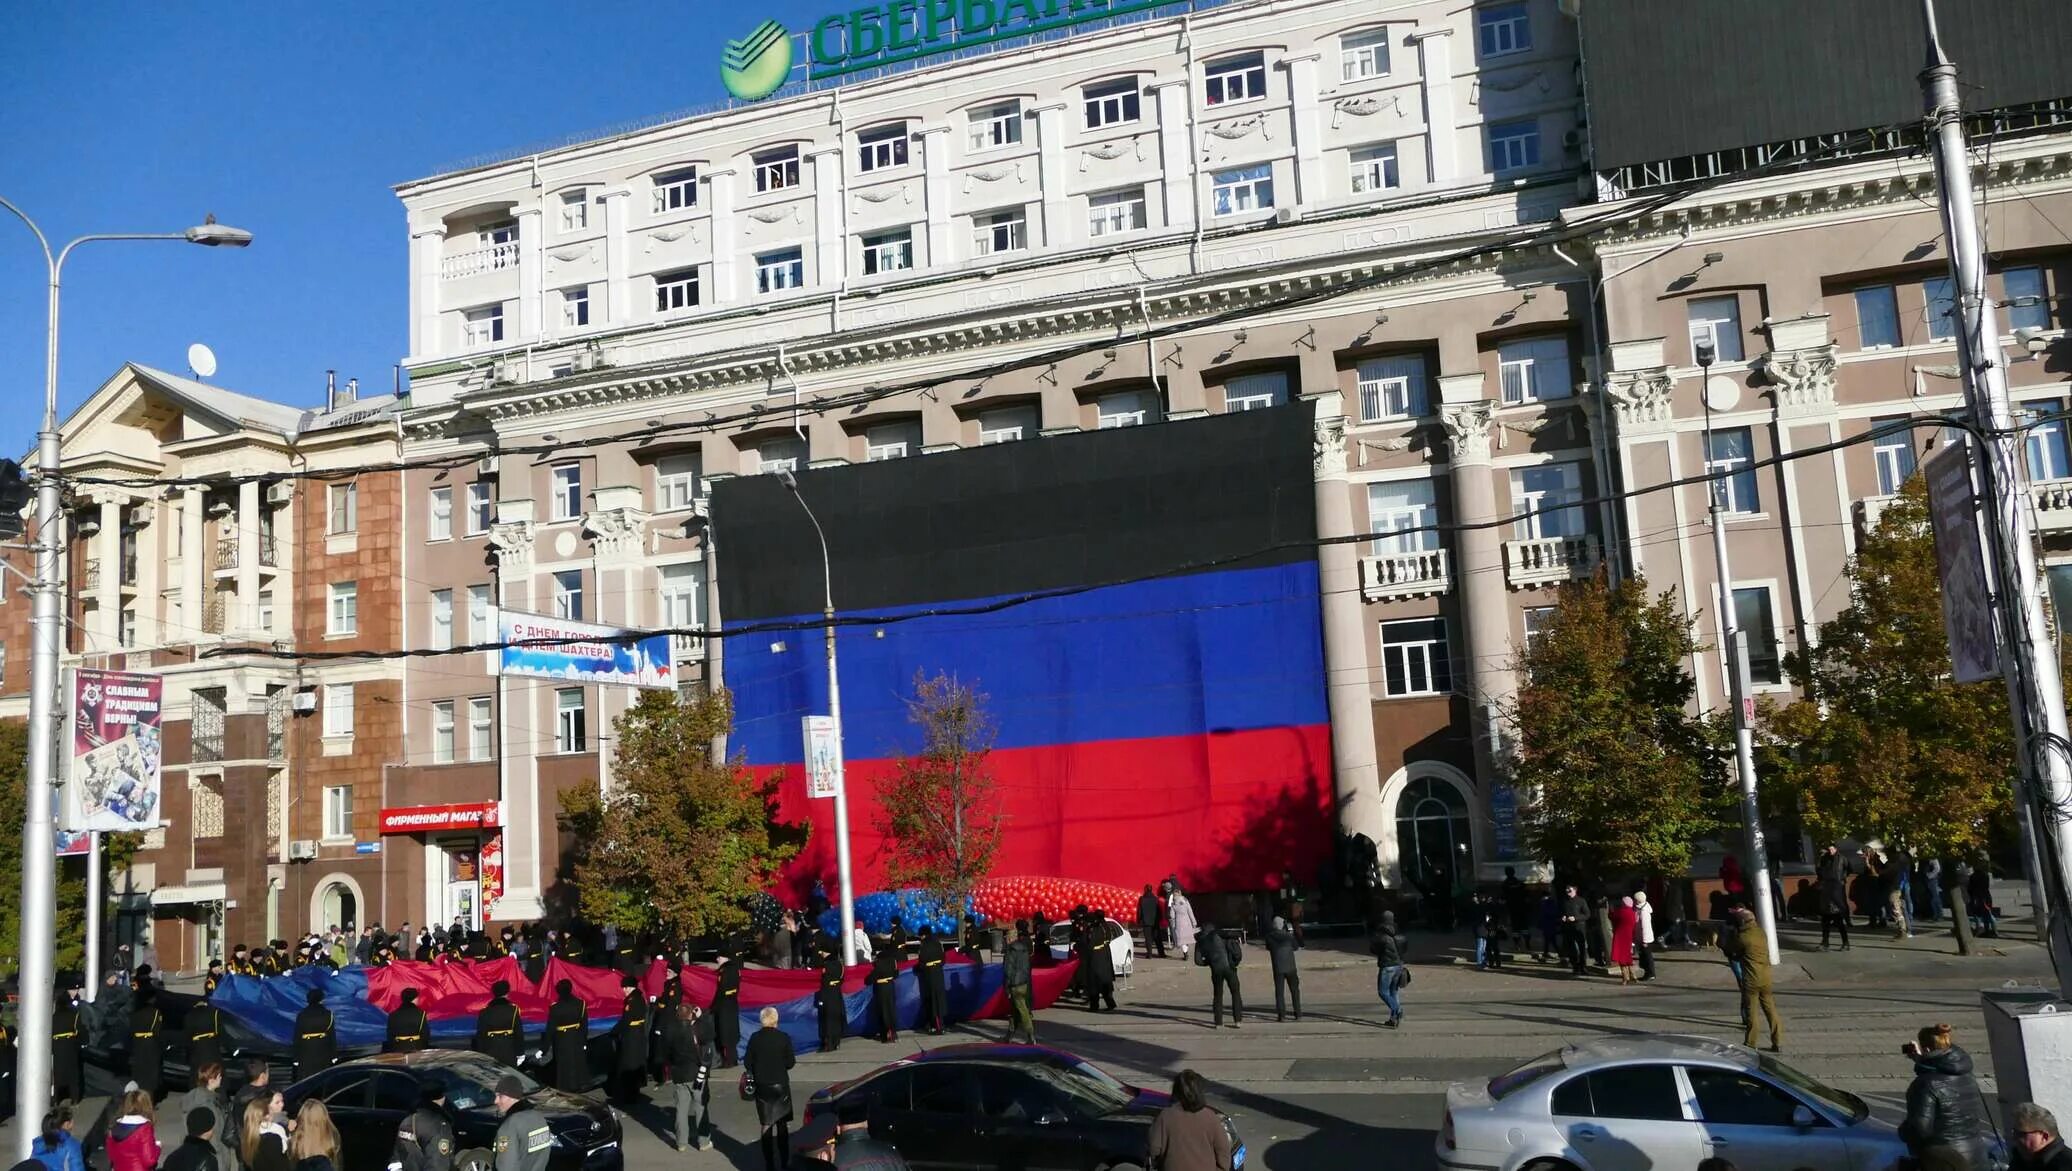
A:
(683, 839)
(116, 851)
(1621, 775)
(939, 809)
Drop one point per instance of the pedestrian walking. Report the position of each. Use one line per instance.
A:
(767, 1066)
(1748, 948)
(692, 1048)
(1832, 876)
(1892, 892)
(1550, 928)
(1391, 973)
(1574, 914)
(1188, 1135)
(1978, 895)
(1287, 982)
(2038, 1143)
(568, 1035)
(1946, 1125)
(1931, 888)
(1644, 940)
(1180, 914)
(1625, 927)
(316, 1037)
(1221, 956)
(1151, 920)
(1015, 969)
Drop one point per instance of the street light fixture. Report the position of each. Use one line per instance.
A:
(39, 861)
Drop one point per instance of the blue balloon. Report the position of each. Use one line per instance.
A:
(913, 907)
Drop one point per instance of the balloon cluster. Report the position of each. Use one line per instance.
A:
(765, 913)
(1008, 899)
(913, 907)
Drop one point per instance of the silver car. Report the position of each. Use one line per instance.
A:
(1644, 1103)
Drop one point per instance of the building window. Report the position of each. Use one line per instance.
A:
(777, 170)
(1127, 408)
(439, 526)
(483, 326)
(1402, 514)
(1534, 370)
(1237, 79)
(1374, 169)
(345, 508)
(780, 455)
(1363, 55)
(126, 627)
(1242, 189)
(481, 507)
(1545, 501)
(1877, 316)
(442, 620)
(1413, 658)
(1752, 615)
(568, 595)
(1892, 449)
(566, 494)
(1514, 146)
(338, 812)
(676, 190)
(1110, 212)
(2045, 439)
(575, 211)
(442, 731)
(891, 441)
(676, 481)
(1393, 388)
(344, 613)
(1250, 392)
(997, 125)
(999, 231)
(1730, 457)
(1113, 103)
(882, 149)
(888, 252)
(500, 232)
(478, 728)
(2027, 306)
(1716, 320)
(569, 731)
(265, 607)
(1502, 29)
(338, 709)
(683, 588)
(479, 631)
(676, 290)
(777, 271)
(1006, 425)
(1537, 621)
(575, 307)
(1942, 308)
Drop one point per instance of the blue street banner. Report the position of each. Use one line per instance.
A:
(538, 647)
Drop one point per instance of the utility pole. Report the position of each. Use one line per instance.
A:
(2035, 694)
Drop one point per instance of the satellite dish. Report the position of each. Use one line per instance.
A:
(201, 359)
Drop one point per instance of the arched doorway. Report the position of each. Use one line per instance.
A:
(1434, 836)
(337, 904)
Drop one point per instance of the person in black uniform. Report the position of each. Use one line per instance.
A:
(1099, 963)
(409, 1029)
(67, 1061)
(147, 1043)
(834, 1011)
(316, 1037)
(204, 1032)
(568, 1033)
(213, 978)
(726, 1010)
(884, 971)
(241, 961)
(896, 939)
(664, 1011)
(632, 1035)
(934, 1005)
(499, 1029)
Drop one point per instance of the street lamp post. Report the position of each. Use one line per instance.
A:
(39, 861)
(834, 711)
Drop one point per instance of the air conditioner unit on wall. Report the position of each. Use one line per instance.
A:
(302, 850)
(486, 465)
(280, 493)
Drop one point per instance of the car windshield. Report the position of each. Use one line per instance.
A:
(1088, 1089)
(1505, 1085)
(471, 1085)
(1840, 1101)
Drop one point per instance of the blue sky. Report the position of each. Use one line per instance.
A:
(293, 120)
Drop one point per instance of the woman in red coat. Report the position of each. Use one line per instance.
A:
(1624, 922)
(133, 1140)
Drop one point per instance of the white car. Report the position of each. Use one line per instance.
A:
(1644, 1103)
(1121, 946)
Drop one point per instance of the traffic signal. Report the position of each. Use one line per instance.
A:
(14, 499)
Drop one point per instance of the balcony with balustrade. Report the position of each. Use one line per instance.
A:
(227, 553)
(1544, 561)
(687, 648)
(476, 261)
(1417, 574)
(2053, 505)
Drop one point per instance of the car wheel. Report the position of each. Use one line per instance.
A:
(1547, 1165)
(474, 1161)
(1123, 1167)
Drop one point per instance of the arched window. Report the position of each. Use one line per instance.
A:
(1433, 839)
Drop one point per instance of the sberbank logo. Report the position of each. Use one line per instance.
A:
(755, 66)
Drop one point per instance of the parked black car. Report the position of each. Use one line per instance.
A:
(1023, 1106)
(369, 1099)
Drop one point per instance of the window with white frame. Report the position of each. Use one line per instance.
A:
(1250, 392)
(479, 728)
(676, 190)
(575, 307)
(565, 495)
(1877, 316)
(1242, 189)
(1545, 500)
(676, 481)
(489, 235)
(1731, 457)
(568, 594)
(570, 718)
(1113, 103)
(442, 620)
(996, 125)
(1006, 230)
(442, 731)
(780, 455)
(338, 709)
(482, 326)
(2044, 439)
(777, 169)
(1538, 620)
(479, 629)
(1236, 79)
(1533, 370)
(1374, 169)
(126, 627)
(1514, 145)
(1006, 424)
(338, 812)
(1414, 658)
(676, 290)
(891, 441)
(780, 270)
(1503, 29)
(1362, 55)
(1942, 308)
(683, 594)
(1752, 613)
(439, 525)
(882, 148)
(345, 508)
(1126, 408)
(575, 211)
(1716, 320)
(481, 507)
(2027, 305)
(1393, 387)
(343, 614)
(265, 607)
(1402, 515)
(1892, 450)
(888, 251)
(1109, 212)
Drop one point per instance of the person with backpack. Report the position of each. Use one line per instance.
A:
(1221, 955)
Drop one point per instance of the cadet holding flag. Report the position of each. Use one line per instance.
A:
(933, 1003)
(409, 1029)
(834, 1010)
(499, 1029)
(316, 1037)
(568, 1033)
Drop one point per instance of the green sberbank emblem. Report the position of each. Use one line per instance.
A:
(755, 66)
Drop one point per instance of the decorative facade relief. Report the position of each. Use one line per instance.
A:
(1642, 398)
(995, 173)
(1365, 106)
(1467, 430)
(1804, 380)
(512, 541)
(1330, 446)
(770, 215)
(616, 534)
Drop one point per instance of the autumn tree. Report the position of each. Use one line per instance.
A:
(938, 809)
(681, 841)
(1621, 775)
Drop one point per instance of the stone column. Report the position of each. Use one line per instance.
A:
(618, 280)
(1309, 128)
(830, 226)
(935, 193)
(428, 248)
(247, 617)
(1481, 645)
(194, 569)
(518, 780)
(1058, 229)
(1442, 138)
(107, 591)
(151, 626)
(719, 191)
(617, 528)
(1800, 364)
(1349, 688)
(1175, 152)
(532, 262)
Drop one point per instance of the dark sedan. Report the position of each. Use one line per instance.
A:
(1015, 1107)
(369, 1099)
